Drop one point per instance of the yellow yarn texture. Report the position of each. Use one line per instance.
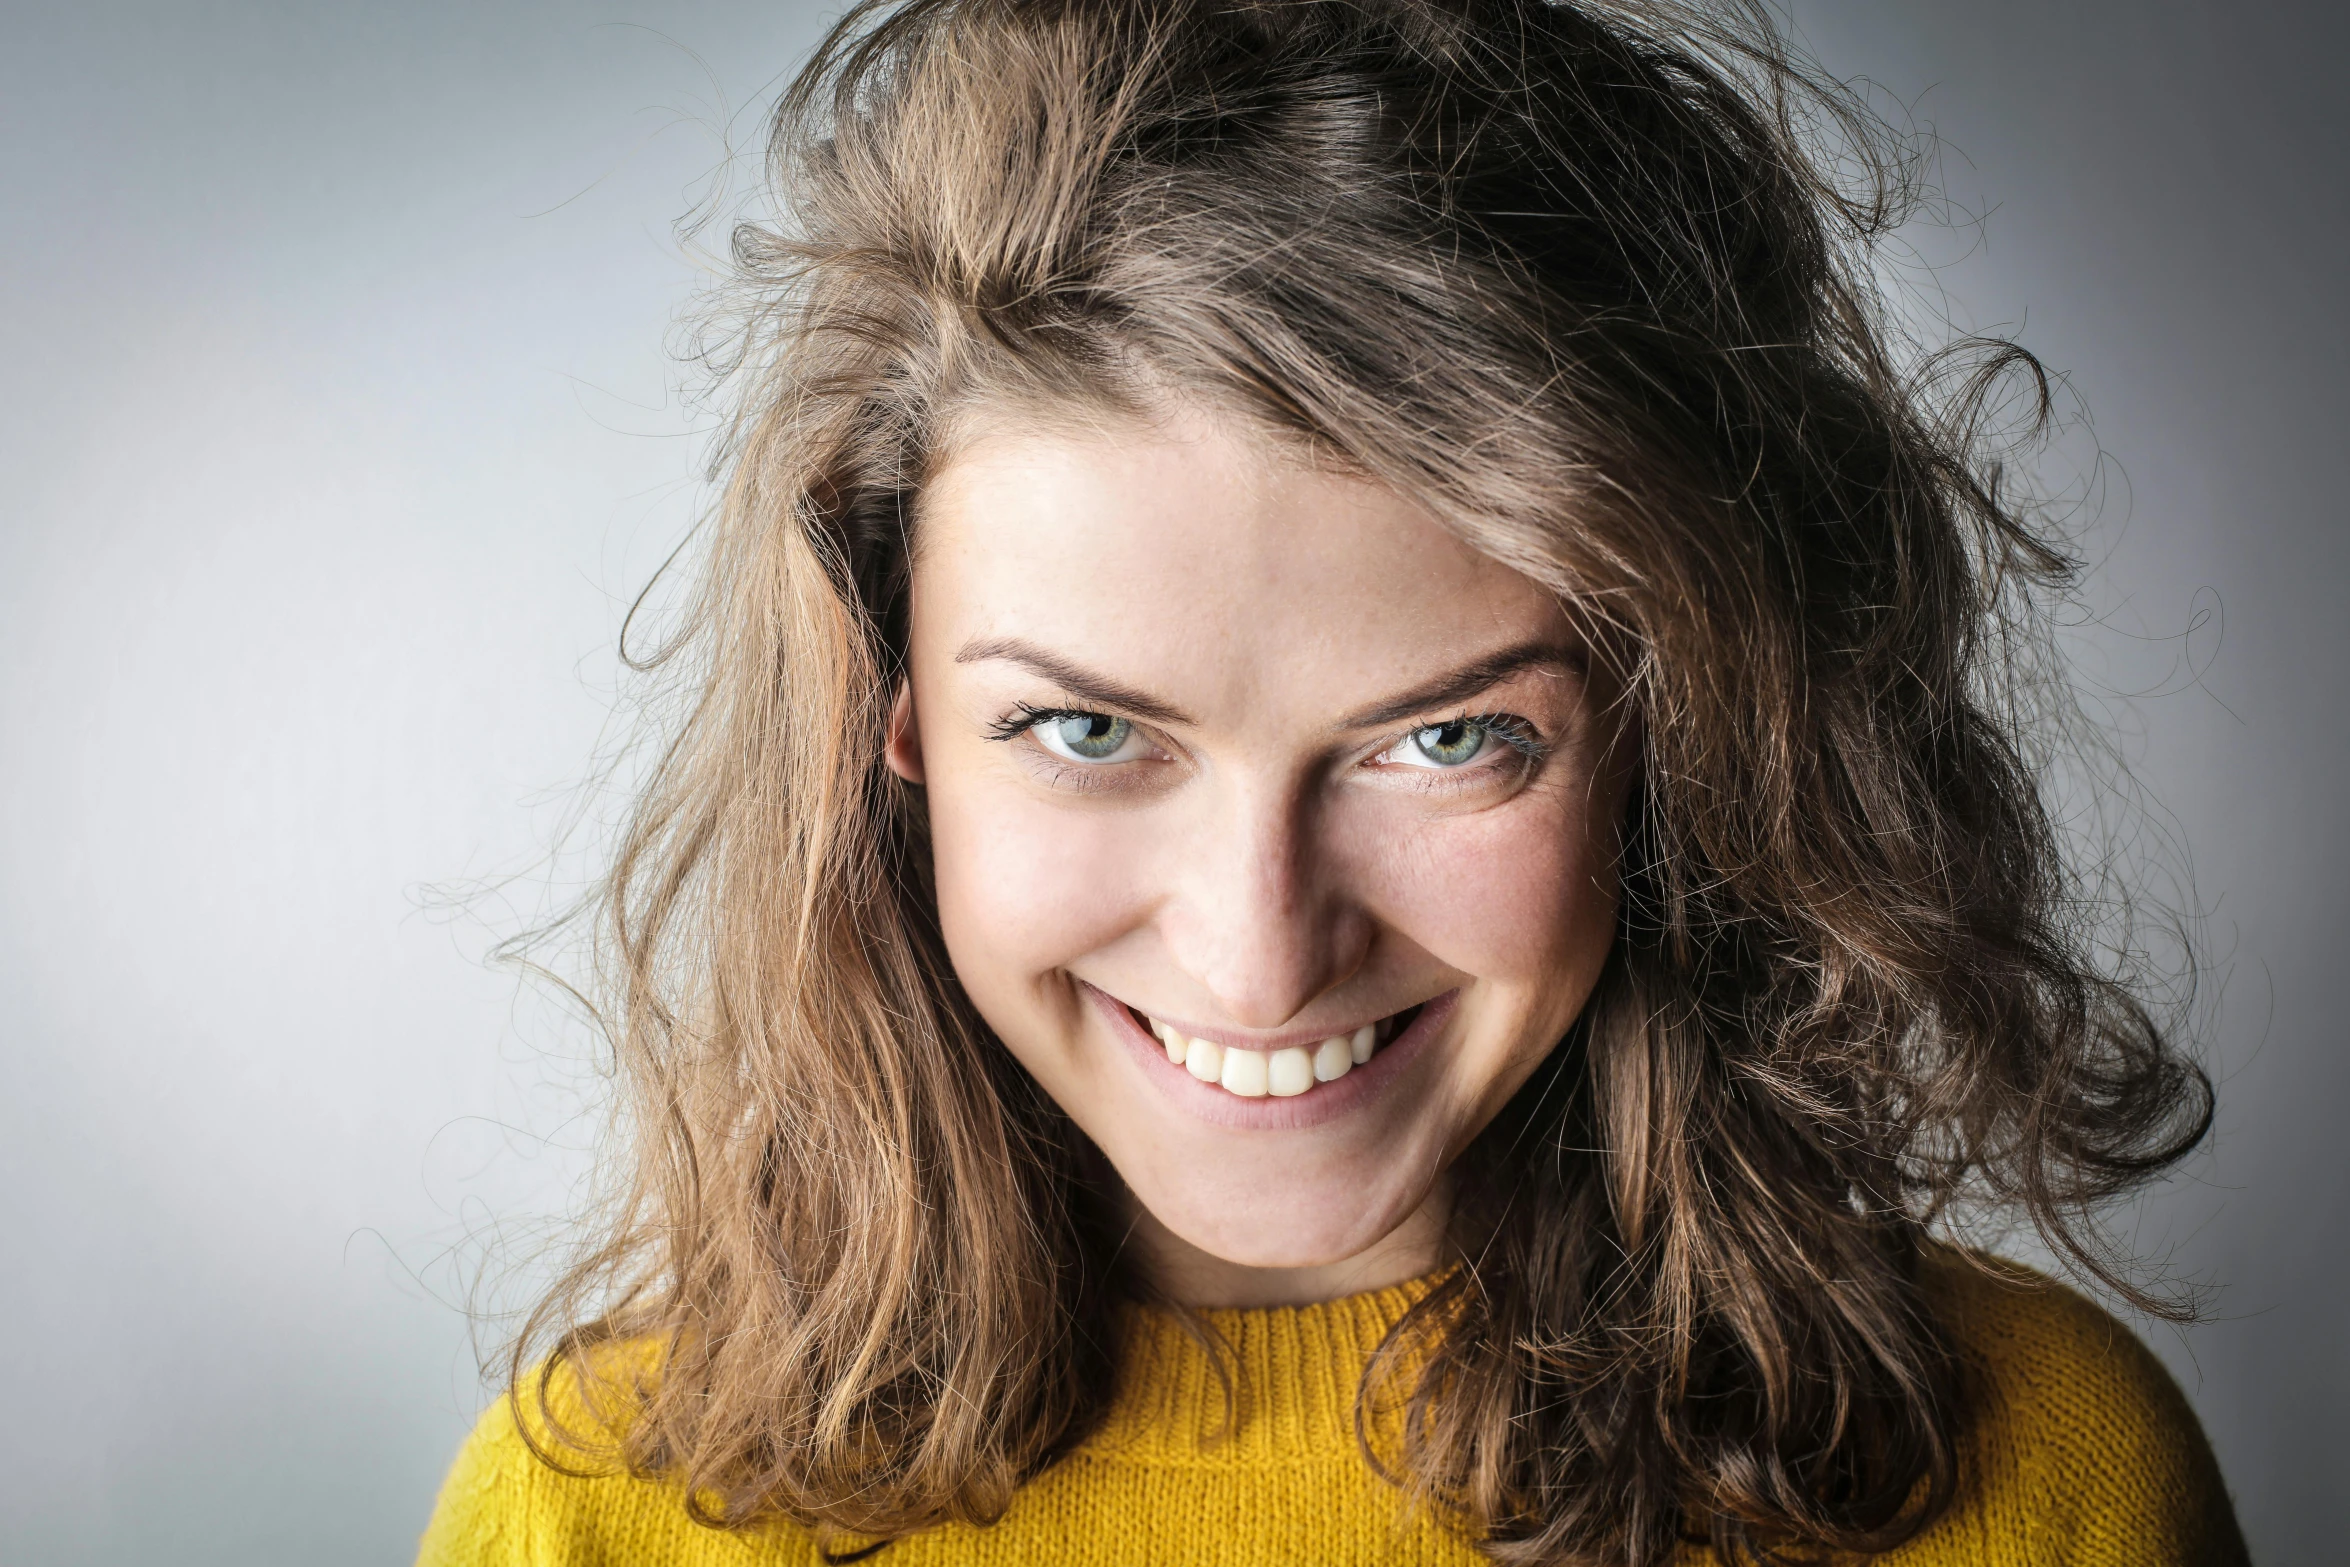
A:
(2085, 1455)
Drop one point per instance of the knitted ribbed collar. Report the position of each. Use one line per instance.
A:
(1295, 1373)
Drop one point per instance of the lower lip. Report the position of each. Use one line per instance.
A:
(1320, 1103)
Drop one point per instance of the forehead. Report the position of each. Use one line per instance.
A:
(1207, 561)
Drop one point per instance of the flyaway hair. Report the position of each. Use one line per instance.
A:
(1592, 282)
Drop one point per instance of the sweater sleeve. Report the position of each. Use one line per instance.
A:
(2083, 1452)
(503, 1505)
(482, 1517)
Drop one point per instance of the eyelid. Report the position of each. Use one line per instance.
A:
(1028, 717)
(1514, 732)
(1025, 716)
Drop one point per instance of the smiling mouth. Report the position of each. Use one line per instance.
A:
(1281, 1074)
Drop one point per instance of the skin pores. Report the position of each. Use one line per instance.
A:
(1222, 750)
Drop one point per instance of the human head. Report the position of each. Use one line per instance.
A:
(1566, 282)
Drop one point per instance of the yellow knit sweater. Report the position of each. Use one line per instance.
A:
(2085, 1455)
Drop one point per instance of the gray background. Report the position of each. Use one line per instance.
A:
(336, 427)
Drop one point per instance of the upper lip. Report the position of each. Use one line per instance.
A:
(1244, 1039)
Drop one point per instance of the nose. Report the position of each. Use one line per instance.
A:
(1260, 919)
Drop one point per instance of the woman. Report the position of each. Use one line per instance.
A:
(1354, 859)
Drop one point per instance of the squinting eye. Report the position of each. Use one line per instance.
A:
(1443, 745)
(1085, 737)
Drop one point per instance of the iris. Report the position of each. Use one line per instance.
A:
(1451, 744)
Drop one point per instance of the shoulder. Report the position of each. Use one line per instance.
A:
(540, 1483)
(2080, 1449)
(481, 1518)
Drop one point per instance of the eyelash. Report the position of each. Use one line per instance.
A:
(1023, 718)
(1508, 728)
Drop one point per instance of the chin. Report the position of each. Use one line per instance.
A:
(1282, 1240)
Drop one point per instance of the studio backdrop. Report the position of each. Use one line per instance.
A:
(340, 420)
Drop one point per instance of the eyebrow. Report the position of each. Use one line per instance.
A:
(1084, 684)
(1087, 685)
(1466, 682)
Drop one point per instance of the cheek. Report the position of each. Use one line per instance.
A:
(1023, 886)
(1523, 896)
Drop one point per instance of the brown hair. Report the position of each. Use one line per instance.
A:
(1591, 281)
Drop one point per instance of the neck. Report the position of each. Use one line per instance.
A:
(1181, 1272)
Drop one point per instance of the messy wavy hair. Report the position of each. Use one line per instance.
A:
(1593, 283)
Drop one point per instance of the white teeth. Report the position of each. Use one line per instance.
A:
(1244, 1072)
(1252, 1074)
(1333, 1059)
(1205, 1058)
(1289, 1072)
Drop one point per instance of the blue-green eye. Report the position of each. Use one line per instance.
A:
(1448, 745)
(1084, 737)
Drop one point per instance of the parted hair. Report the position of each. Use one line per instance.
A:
(1593, 283)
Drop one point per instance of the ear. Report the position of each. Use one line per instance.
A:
(903, 750)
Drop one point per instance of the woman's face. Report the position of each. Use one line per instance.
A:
(1275, 828)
